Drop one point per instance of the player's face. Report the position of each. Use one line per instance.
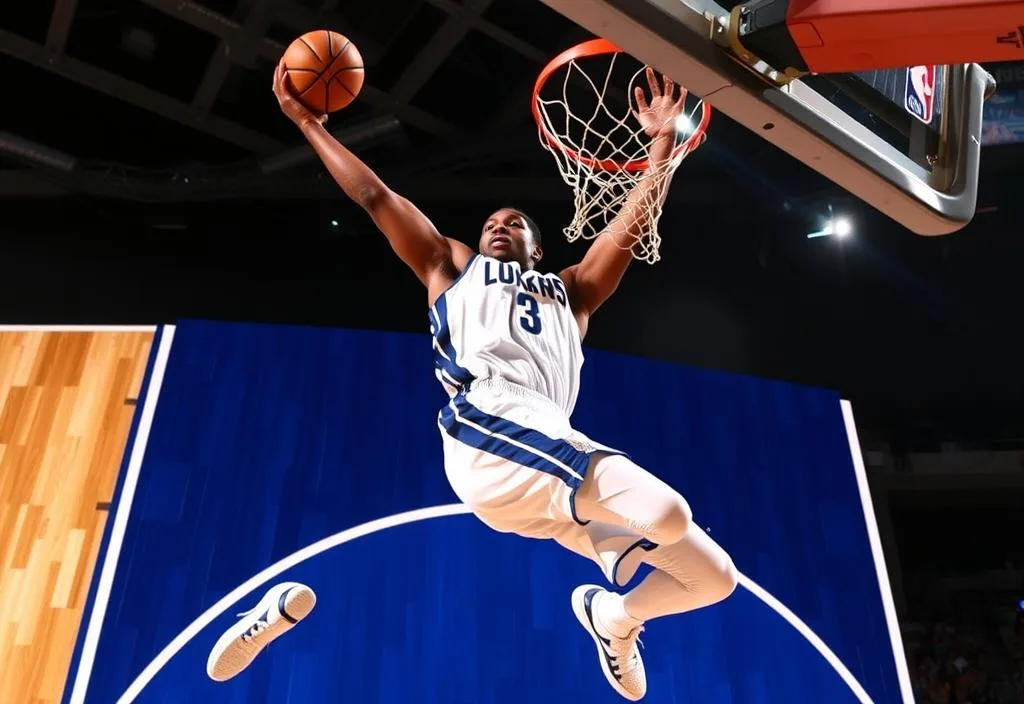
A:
(507, 237)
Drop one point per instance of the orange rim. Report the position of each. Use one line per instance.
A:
(602, 47)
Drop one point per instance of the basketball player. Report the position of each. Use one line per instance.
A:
(507, 344)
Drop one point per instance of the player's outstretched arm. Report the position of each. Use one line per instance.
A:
(594, 279)
(435, 260)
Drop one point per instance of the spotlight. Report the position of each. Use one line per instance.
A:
(683, 124)
(840, 227)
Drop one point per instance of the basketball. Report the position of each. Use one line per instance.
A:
(324, 71)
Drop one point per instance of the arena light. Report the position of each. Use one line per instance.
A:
(684, 125)
(839, 226)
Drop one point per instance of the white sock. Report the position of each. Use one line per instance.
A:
(611, 617)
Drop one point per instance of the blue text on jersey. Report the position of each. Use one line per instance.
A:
(545, 286)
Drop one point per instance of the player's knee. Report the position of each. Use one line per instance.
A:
(725, 580)
(673, 520)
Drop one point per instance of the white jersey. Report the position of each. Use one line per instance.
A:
(496, 320)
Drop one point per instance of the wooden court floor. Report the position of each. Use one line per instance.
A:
(66, 405)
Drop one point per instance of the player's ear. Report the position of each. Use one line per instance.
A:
(536, 255)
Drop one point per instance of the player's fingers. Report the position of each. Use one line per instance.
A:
(280, 73)
(652, 83)
(641, 99)
(669, 86)
(682, 98)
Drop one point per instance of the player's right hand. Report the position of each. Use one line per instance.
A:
(292, 108)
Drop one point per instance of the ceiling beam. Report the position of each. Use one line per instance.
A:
(520, 98)
(446, 189)
(27, 184)
(411, 114)
(226, 28)
(327, 7)
(501, 134)
(60, 27)
(516, 188)
(476, 148)
(135, 94)
(201, 17)
(498, 189)
(504, 133)
(241, 48)
(23, 183)
(440, 46)
(498, 34)
(20, 183)
(301, 20)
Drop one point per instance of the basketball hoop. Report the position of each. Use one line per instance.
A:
(602, 152)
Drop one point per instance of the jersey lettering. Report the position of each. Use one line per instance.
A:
(544, 285)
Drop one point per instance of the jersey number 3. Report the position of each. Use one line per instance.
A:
(530, 319)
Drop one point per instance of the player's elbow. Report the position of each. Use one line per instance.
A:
(372, 196)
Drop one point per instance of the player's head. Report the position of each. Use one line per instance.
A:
(510, 235)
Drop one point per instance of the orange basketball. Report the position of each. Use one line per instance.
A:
(324, 71)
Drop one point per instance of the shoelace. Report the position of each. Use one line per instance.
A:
(254, 630)
(626, 650)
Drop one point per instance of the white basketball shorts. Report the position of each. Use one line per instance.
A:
(513, 457)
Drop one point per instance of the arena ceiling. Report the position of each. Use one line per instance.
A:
(136, 104)
(170, 100)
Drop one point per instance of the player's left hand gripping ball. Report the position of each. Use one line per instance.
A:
(283, 606)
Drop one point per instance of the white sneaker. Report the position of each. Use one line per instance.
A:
(620, 657)
(283, 606)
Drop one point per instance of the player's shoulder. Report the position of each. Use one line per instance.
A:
(461, 254)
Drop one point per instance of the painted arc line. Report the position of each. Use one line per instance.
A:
(424, 514)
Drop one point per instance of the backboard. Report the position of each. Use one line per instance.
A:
(867, 132)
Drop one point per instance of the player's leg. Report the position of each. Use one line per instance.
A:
(691, 570)
(619, 492)
(689, 574)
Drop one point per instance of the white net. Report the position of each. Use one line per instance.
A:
(589, 124)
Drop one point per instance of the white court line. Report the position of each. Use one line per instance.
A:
(79, 328)
(423, 514)
(875, 540)
(803, 629)
(208, 616)
(124, 507)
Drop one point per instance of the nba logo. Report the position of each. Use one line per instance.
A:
(920, 97)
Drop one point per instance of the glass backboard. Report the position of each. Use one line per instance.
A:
(860, 130)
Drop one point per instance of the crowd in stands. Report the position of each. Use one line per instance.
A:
(970, 658)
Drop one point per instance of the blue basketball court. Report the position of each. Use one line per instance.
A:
(262, 454)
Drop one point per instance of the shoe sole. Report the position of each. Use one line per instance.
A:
(580, 610)
(227, 659)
